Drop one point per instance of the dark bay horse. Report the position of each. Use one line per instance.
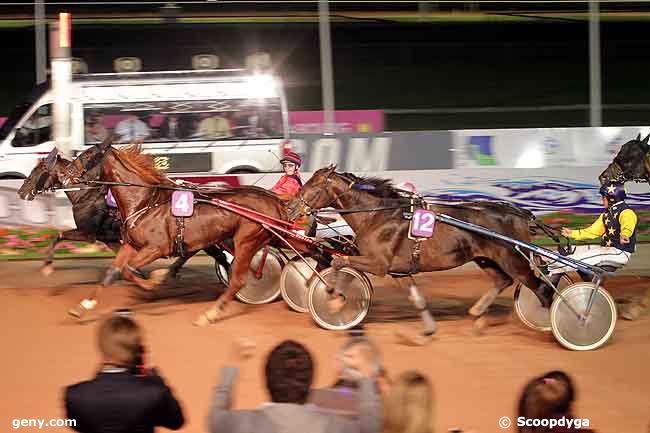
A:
(94, 220)
(384, 245)
(151, 231)
(631, 163)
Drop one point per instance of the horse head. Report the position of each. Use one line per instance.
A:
(317, 193)
(85, 167)
(42, 177)
(631, 163)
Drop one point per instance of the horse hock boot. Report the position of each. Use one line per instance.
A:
(420, 304)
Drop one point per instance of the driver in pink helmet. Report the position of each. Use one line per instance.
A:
(289, 184)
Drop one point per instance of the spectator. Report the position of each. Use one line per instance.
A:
(549, 397)
(408, 408)
(131, 129)
(214, 127)
(343, 396)
(95, 130)
(174, 128)
(122, 398)
(289, 373)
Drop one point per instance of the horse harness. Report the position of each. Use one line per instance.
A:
(179, 249)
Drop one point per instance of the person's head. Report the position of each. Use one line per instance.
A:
(355, 352)
(291, 162)
(120, 341)
(289, 373)
(549, 395)
(612, 192)
(408, 407)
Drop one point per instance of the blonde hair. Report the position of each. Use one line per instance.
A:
(120, 340)
(408, 408)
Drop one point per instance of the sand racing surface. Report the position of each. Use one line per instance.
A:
(477, 378)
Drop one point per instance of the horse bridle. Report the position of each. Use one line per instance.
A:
(622, 176)
(308, 208)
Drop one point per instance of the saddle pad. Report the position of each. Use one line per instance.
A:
(422, 224)
(182, 203)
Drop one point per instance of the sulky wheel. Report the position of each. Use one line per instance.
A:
(357, 292)
(223, 272)
(575, 333)
(294, 283)
(530, 311)
(266, 288)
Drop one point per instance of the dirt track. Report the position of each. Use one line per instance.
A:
(477, 378)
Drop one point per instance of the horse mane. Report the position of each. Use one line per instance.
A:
(383, 188)
(141, 164)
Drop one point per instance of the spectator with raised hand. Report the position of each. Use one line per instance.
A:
(124, 397)
(289, 372)
(343, 396)
(409, 406)
(549, 397)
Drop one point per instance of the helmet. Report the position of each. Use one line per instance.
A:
(292, 157)
(406, 186)
(614, 191)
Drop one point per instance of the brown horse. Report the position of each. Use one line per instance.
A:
(631, 163)
(384, 245)
(151, 231)
(94, 220)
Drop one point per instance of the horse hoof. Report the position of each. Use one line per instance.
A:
(75, 312)
(210, 317)
(408, 337)
(159, 276)
(479, 325)
(632, 311)
(47, 270)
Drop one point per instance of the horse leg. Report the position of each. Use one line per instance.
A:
(123, 256)
(240, 268)
(159, 276)
(501, 279)
(373, 265)
(142, 258)
(634, 310)
(420, 305)
(69, 235)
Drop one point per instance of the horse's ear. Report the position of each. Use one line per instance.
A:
(107, 142)
(645, 140)
(638, 137)
(332, 167)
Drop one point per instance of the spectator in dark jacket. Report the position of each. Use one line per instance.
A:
(123, 397)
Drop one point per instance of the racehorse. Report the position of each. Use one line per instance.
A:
(94, 220)
(150, 230)
(384, 245)
(631, 163)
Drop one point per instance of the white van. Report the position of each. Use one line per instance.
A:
(196, 122)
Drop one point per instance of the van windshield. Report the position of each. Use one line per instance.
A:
(21, 108)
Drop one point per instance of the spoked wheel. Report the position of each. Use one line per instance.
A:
(294, 283)
(351, 311)
(266, 288)
(530, 311)
(574, 333)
